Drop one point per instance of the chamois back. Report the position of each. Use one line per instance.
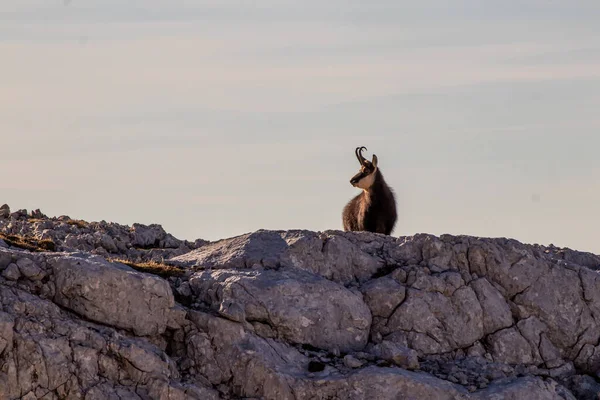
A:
(374, 209)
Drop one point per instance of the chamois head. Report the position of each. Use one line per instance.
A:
(365, 177)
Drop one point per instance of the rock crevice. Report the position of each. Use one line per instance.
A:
(293, 315)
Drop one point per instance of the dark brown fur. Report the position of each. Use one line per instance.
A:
(373, 210)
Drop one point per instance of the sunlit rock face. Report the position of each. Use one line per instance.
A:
(291, 315)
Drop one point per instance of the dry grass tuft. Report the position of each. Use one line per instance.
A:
(153, 267)
(29, 243)
(81, 224)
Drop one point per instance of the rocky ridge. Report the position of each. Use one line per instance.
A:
(293, 315)
(135, 243)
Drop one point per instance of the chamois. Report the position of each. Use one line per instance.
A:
(374, 209)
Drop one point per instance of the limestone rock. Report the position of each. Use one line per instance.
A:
(384, 384)
(137, 243)
(4, 211)
(526, 388)
(330, 255)
(113, 294)
(400, 355)
(584, 387)
(47, 352)
(146, 236)
(352, 362)
(38, 214)
(300, 307)
(12, 272)
(29, 269)
(433, 322)
(496, 311)
(510, 347)
(256, 314)
(383, 295)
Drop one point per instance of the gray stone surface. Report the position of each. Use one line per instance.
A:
(136, 243)
(47, 353)
(399, 355)
(29, 269)
(263, 368)
(383, 295)
(327, 254)
(294, 315)
(352, 362)
(437, 318)
(12, 272)
(527, 388)
(383, 384)
(298, 306)
(113, 294)
(496, 311)
(584, 387)
(4, 211)
(510, 347)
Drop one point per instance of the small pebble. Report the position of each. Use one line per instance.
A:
(352, 362)
(12, 272)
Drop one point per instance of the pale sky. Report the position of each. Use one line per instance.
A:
(216, 118)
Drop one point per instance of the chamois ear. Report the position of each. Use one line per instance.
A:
(374, 161)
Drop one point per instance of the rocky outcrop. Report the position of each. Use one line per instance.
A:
(4, 211)
(294, 305)
(111, 240)
(112, 294)
(474, 310)
(298, 315)
(51, 349)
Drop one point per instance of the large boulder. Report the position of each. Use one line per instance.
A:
(48, 352)
(440, 314)
(328, 254)
(299, 307)
(263, 368)
(112, 294)
(147, 236)
(4, 211)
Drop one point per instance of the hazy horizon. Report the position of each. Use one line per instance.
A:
(217, 118)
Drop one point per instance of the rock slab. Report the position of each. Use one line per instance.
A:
(113, 294)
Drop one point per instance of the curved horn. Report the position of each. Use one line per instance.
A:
(359, 155)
